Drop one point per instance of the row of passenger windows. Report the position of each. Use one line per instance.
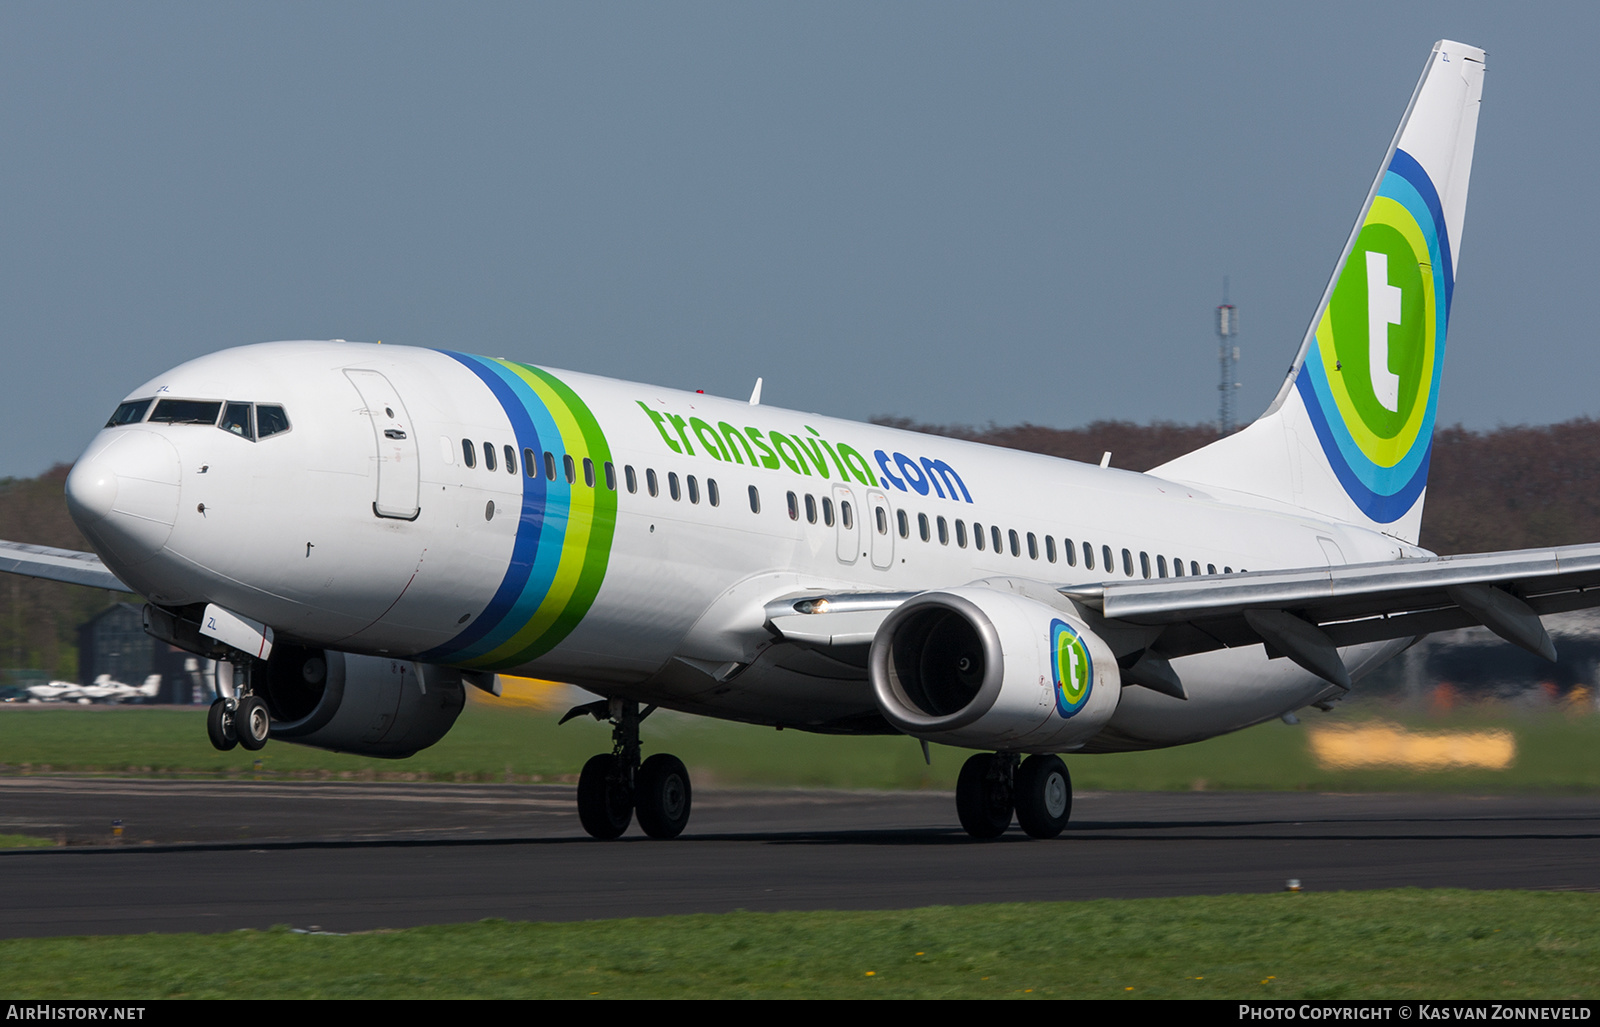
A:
(981, 537)
(531, 464)
(993, 538)
(675, 489)
(246, 420)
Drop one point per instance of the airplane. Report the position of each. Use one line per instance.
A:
(358, 532)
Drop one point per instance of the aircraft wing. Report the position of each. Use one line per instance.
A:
(1355, 603)
(67, 565)
(1304, 614)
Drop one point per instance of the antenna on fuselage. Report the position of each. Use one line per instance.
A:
(755, 394)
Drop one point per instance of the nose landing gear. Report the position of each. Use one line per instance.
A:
(614, 786)
(238, 716)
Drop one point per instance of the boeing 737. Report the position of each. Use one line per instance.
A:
(359, 532)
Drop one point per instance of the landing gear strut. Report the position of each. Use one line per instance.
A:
(993, 785)
(615, 785)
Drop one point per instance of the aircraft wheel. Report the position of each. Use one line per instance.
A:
(252, 722)
(219, 726)
(983, 796)
(661, 796)
(1044, 796)
(605, 806)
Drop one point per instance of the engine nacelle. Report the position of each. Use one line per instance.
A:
(987, 669)
(368, 705)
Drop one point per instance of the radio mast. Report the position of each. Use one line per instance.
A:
(1228, 358)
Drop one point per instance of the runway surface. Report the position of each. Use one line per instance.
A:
(218, 856)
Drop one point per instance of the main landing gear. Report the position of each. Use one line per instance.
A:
(614, 786)
(239, 716)
(994, 785)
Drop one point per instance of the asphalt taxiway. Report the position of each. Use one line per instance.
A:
(218, 856)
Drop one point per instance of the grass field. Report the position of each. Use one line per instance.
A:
(1352, 945)
(1554, 751)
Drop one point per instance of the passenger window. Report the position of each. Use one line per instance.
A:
(1194, 568)
(673, 488)
(1177, 567)
(1071, 553)
(694, 489)
(1016, 547)
(550, 468)
(572, 470)
(611, 476)
(469, 453)
(650, 481)
(129, 413)
(530, 463)
(755, 500)
(588, 472)
(1033, 548)
(922, 527)
(1127, 563)
(904, 523)
(237, 420)
(1050, 548)
(488, 456)
(1211, 568)
(713, 496)
(270, 420)
(944, 532)
(630, 478)
(961, 533)
(1227, 570)
(977, 535)
(186, 411)
(1109, 562)
(994, 533)
(1161, 566)
(811, 509)
(827, 511)
(847, 517)
(882, 517)
(511, 460)
(794, 507)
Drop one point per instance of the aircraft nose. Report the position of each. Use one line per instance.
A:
(123, 493)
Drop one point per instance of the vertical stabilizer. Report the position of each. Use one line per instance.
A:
(1350, 433)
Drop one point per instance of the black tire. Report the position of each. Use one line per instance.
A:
(1044, 796)
(252, 723)
(605, 806)
(983, 801)
(661, 796)
(219, 726)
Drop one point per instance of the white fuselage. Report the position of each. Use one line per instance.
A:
(363, 528)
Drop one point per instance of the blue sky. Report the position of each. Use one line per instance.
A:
(952, 212)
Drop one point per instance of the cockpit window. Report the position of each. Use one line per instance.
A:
(270, 420)
(131, 412)
(187, 411)
(236, 419)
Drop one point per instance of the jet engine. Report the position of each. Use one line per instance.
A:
(368, 705)
(988, 669)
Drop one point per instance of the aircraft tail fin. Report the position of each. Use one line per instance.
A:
(1350, 432)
